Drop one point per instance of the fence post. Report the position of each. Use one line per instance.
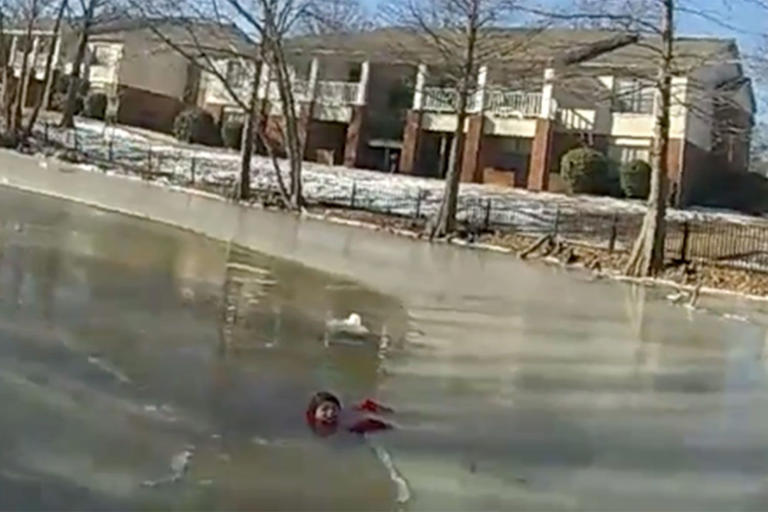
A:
(417, 214)
(487, 220)
(614, 233)
(352, 196)
(556, 226)
(193, 163)
(110, 149)
(684, 243)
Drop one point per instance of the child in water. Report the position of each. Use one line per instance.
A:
(325, 415)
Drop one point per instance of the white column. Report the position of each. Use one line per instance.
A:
(418, 93)
(12, 59)
(314, 71)
(85, 72)
(264, 81)
(56, 52)
(33, 56)
(482, 81)
(547, 97)
(362, 86)
(31, 74)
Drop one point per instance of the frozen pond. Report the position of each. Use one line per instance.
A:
(125, 343)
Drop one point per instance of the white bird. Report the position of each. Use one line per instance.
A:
(353, 324)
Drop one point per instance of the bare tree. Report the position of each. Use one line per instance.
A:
(273, 20)
(647, 256)
(31, 13)
(48, 72)
(457, 35)
(269, 21)
(667, 57)
(6, 15)
(85, 23)
(334, 17)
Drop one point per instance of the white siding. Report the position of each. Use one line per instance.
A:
(148, 65)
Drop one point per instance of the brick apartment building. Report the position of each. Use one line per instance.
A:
(363, 105)
(126, 59)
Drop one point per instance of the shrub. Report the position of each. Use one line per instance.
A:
(62, 85)
(586, 171)
(197, 126)
(232, 134)
(58, 99)
(95, 105)
(636, 179)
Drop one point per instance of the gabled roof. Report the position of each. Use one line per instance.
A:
(186, 32)
(523, 44)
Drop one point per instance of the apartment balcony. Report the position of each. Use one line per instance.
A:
(511, 103)
(498, 102)
(38, 65)
(333, 100)
(336, 93)
(102, 74)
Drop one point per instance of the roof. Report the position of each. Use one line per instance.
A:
(182, 31)
(185, 32)
(518, 44)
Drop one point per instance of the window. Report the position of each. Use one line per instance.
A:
(232, 115)
(624, 154)
(633, 96)
(101, 55)
(353, 74)
(235, 73)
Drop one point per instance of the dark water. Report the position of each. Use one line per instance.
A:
(517, 387)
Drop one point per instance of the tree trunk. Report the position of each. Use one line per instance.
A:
(18, 100)
(246, 155)
(647, 257)
(5, 55)
(47, 75)
(446, 218)
(291, 125)
(68, 117)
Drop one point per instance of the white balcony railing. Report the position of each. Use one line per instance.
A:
(439, 99)
(336, 93)
(39, 61)
(300, 91)
(104, 74)
(498, 102)
(327, 93)
(572, 119)
(507, 103)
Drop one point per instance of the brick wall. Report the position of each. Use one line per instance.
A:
(326, 137)
(147, 109)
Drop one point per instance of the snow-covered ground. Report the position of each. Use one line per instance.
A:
(587, 217)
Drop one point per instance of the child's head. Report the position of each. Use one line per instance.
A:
(323, 409)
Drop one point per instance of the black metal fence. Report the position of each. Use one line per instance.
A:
(714, 242)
